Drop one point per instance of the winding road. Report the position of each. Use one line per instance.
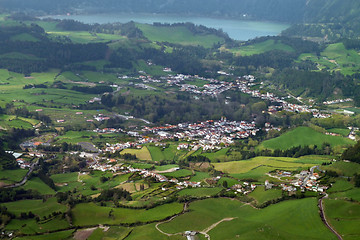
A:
(323, 217)
(15, 185)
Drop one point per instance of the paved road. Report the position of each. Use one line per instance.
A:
(32, 167)
(323, 217)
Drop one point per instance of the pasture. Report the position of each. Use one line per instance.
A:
(335, 58)
(179, 35)
(30, 226)
(12, 176)
(344, 216)
(38, 185)
(167, 153)
(38, 207)
(261, 47)
(200, 192)
(261, 196)
(53, 236)
(245, 166)
(141, 154)
(179, 173)
(87, 214)
(344, 168)
(250, 223)
(303, 136)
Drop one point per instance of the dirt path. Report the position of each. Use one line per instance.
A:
(323, 217)
(167, 171)
(206, 230)
(186, 205)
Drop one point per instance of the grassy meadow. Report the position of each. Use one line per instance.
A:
(303, 136)
(268, 164)
(86, 214)
(141, 154)
(299, 219)
(261, 47)
(179, 35)
(344, 216)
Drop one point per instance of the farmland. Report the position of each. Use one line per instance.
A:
(344, 216)
(84, 214)
(245, 166)
(172, 127)
(335, 58)
(261, 47)
(303, 136)
(180, 35)
(252, 222)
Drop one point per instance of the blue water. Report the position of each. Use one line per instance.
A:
(236, 29)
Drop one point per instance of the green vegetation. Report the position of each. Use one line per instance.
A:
(141, 154)
(244, 166)
(252, 223)
(179, 173)
(84, 214)
(304, 136)
(179, 35)
(341, 131)
(340, 186)
(262, 47)
(55, 236)
(335, 58)
(199, 176)
(30, 226)
(344, 217)
(261, 195)
(39, 185)
(200, 192)
(37, 207)
(149, 232)
(344, 168)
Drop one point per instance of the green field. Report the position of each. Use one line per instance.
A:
(141, 154)
(280, 221)
(262, 47)
(344, 168)
(76, 137)
(344, 217)
(179, 35)
(149, 232)
(53, 236)
(12, 121)
(343, 132)
(261, 196)
(179, 173)
(38, 185)
(340, 186)
(245, 166)
(90, 214)
(199, 176)
(169, 153)
(30, 226)
(85, 37)
(38, 207)
(11, 176)
(303, 136)
(200, 192)
(336, 58)
(65, 177)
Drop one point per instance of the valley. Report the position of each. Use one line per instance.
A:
(175, 131)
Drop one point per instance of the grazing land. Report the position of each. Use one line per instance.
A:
(304, 136)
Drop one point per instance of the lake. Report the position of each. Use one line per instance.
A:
(236, 29)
